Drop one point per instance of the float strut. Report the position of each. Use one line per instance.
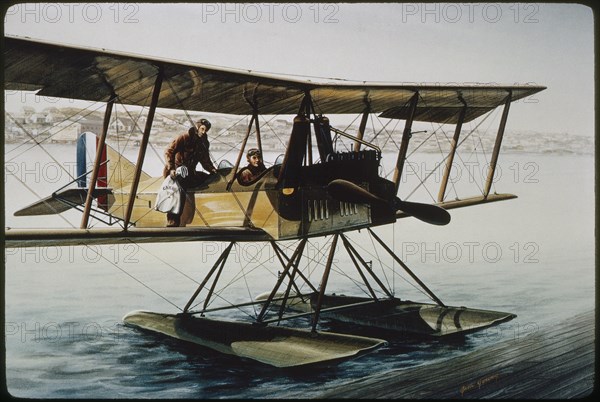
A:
(352, 252)
(220, 261)
(399, 261)
(324, 282)
(295, 260)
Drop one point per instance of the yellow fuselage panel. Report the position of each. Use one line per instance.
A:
(282, 213)
(214, 206)
(203, 209)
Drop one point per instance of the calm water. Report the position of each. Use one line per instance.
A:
(533, 256)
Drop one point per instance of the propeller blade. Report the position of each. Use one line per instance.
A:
(344, 190)
(426, 212)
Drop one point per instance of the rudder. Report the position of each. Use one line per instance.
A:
(116, 171)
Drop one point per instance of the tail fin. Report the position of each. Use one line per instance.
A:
(115, 170)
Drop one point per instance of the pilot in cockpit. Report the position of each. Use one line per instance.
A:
(254, 169)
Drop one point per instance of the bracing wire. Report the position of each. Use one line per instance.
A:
(384, 265)
(444, 159)
(45, 138)
(134, 278)
(241, 275)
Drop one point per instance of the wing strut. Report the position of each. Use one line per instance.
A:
(99, 151)
(258, 137)
(254, 104)
(253, 121)
(405, 138)
(453, 146)
(501, 127)
(143, 146)
(363, 125)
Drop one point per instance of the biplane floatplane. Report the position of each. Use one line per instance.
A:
(315, 190)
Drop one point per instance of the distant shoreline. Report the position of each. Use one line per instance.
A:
(64, 125)
(544, 145)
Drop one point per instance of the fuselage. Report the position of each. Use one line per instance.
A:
(283, 208)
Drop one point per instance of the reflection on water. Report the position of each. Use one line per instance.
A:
(533, 256)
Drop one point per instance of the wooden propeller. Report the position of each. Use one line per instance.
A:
(344, 190)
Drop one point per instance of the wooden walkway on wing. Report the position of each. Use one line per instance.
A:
(557, 363)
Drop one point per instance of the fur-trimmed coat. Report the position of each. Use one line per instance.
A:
(188, 149)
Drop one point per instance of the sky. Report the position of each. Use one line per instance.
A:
(521, 43)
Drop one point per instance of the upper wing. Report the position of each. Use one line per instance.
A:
(94, 74)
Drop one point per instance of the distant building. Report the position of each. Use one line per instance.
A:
(68, 131)
(16, 118)
(37, 118)
(65, 131)
(91, 125)
(121, 124)
(54, 116)
(12, 134)
(27, 111)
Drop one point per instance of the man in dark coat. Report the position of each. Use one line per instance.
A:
(182, 156)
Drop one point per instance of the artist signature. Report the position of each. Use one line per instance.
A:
(478, 384)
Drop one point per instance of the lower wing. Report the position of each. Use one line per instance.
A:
(14, 238)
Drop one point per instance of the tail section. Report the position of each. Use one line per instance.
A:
(116, 171)
(87, 145)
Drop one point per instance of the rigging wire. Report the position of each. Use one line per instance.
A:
(156, 256)
(120, 151)
(472, 177)
(485, 156)
(441, 154)
(385, 265)
(46, 138)
(60, 214)
(267, 123)
(41, 147)
(434, 133)
(38, 144)
(335, 267)
(390, 134)
(443, 160)
(378, 258)
(246, 280)
(422, 181)
(135, 279)
(118, 161)
(71, 122)
(243, 273)
(135, 122)
(239, 276)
